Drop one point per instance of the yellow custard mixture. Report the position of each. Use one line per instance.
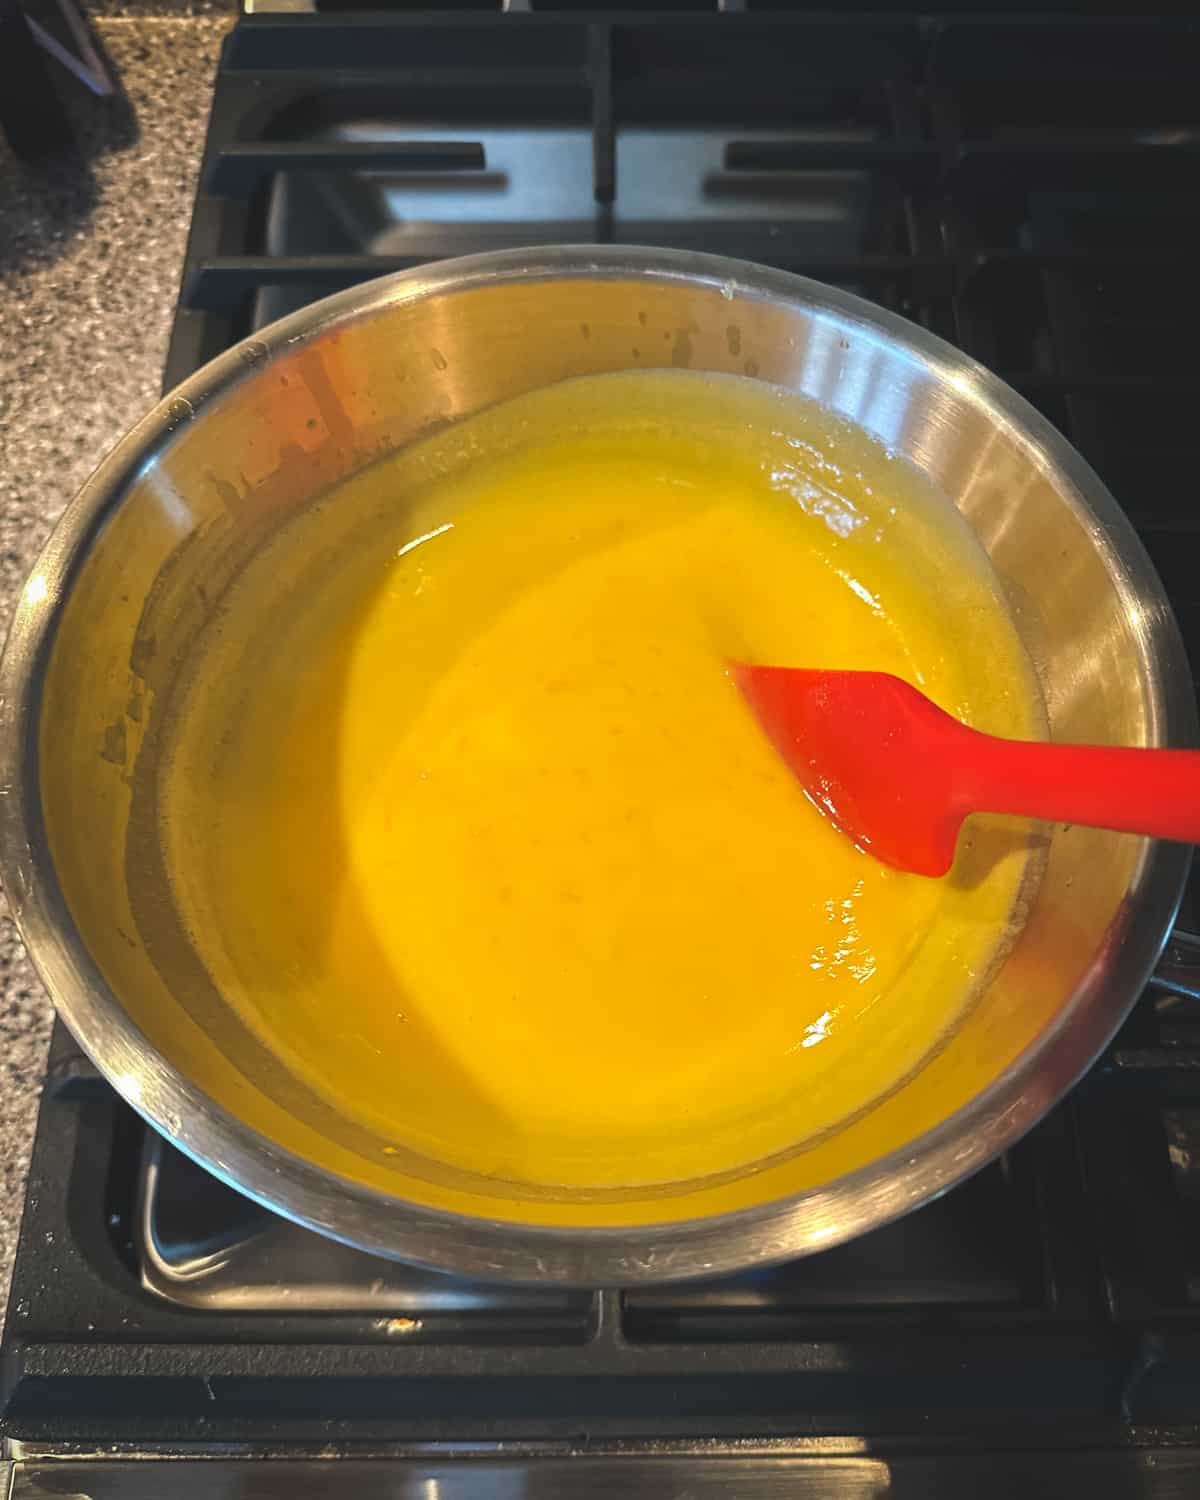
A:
(472, 827)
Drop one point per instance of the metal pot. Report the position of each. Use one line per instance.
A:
(138, 564)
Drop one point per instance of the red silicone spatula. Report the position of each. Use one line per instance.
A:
(898, 775)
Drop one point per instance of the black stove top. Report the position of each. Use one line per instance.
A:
(1026, 185)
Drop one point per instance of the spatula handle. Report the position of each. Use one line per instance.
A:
(1152, 792)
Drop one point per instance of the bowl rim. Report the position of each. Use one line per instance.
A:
(489, 1248)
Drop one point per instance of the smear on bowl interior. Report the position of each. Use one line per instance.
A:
(470, 824)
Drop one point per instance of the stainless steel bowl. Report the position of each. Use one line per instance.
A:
(137, 565)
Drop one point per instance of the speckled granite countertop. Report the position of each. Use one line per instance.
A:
(90, 258)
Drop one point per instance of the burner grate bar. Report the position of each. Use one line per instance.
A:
(221, 282)
(1149, 166)
(374, 76)
(238, 169)
(910, 163)
(604, 131)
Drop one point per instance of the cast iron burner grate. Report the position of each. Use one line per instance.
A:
(1025, 185)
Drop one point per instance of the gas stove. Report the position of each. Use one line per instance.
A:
(1025, 185)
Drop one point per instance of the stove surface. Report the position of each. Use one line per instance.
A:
(1024, 185)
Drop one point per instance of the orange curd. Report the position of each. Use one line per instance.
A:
(487, 848)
